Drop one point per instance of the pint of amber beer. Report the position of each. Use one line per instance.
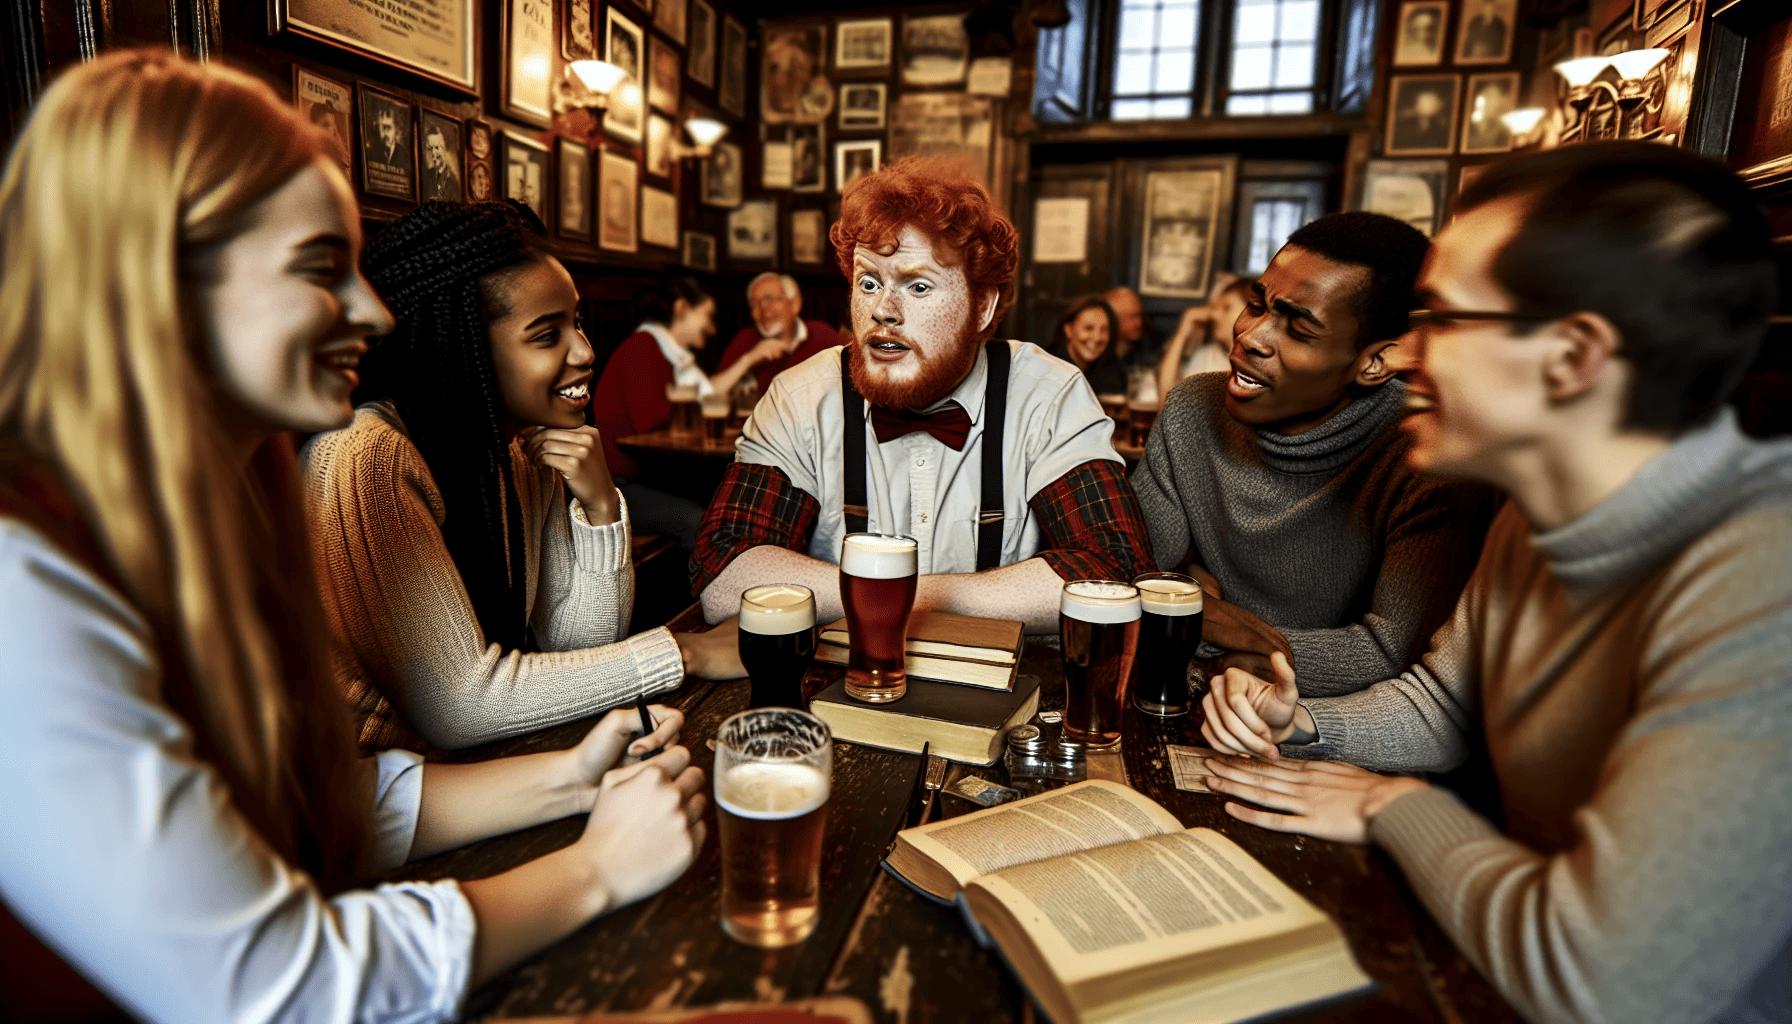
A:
(774, 767)
(685, 420)
(877, 586)
(1099, 624)
(715, 419)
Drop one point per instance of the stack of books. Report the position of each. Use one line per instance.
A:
(963, 691)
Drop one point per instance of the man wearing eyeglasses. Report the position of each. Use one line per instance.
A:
(777, 307)
(1624, 649)
(1283, 481)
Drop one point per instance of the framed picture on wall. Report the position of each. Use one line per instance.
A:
(952, 126)
(732, 92)
(722, 176)
(855, 159)
(659, 146)
(524, 168)
(1489, 97)
(440, 177)
(808, 158)
(1484, 31)
(1408, 190)
(862, 105)
(578, 39)
(626, 115)
(664, 76)
(753, 231)
(447, 52)
(699, 251)
(574, 189)
(388, 146)
(1184, 217)
(330, 105)
(668, 17)
(808, 236)
(619, 183)
(528, 62)
(936, 50)
(659, 217)
(1421, 37)
(700, 60)
(1422, 114)
(863, 44)
(793, 83)
(482, 171)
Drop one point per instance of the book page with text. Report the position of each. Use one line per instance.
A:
(1069, 820)
(1164, 898)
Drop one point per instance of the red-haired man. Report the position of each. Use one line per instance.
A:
(931, 264)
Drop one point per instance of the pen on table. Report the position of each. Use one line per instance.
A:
(647, 724)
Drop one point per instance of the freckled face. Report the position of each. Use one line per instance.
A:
(916, 320)
(1088, 335)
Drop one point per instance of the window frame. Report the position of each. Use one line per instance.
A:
(1213, 63)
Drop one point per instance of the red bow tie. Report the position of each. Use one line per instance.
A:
(951, 426)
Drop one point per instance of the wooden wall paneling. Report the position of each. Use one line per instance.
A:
(1048, 288)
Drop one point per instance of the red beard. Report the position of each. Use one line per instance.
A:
(939, 374)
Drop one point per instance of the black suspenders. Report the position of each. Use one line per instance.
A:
(995, 416)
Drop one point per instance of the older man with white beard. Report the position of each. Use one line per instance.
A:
(777, 307)
(994, 456)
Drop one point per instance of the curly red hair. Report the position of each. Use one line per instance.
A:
(944, 203)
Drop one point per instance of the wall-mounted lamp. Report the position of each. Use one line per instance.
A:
(587, 83)
(1522, 122)
(705, 132)
(1583, 92)
(1641, 88)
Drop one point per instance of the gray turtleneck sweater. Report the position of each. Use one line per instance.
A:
(1632, 674)
(1325, 535)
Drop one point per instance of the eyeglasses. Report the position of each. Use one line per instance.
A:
(1420, 319)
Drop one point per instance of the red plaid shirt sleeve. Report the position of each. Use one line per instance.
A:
(754, 505)
(1094, 524)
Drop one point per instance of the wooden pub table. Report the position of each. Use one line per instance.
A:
(906, 958)
(665, 442)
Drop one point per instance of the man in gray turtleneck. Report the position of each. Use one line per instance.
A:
(1283, 481)
(1624, 647)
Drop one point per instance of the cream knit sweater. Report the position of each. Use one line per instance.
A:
(408, 640)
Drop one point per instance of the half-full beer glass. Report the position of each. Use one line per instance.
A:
(773, 770)
(877, 586)
(777, 640)
(1169, 632)
(1099, 623)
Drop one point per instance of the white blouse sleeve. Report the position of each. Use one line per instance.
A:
(123, 851)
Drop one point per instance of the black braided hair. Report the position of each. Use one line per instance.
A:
(435, 268)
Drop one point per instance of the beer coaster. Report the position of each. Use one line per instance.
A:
(1109, 765)
(982, 791)
(1189, 766)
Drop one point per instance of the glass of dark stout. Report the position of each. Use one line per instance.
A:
(774, 768)
(1098, 622)
(1169, 633)
(777, 642)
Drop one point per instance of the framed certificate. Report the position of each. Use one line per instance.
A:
(437, 39)
(528, 61)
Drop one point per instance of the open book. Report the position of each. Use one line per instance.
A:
(947, 647)
(1110, 911)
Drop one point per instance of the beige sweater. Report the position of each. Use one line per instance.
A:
(1632, 674)
(410, 650)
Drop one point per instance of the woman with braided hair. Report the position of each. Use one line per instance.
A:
(472, 598)
(193, 838)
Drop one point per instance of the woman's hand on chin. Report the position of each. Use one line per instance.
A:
(578, 456)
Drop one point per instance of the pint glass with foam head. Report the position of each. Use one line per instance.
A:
(777, 640)
(774, 767)
(877, 586)
(1099, 624)
(1169, 632)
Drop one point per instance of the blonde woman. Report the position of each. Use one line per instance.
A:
(188, 820)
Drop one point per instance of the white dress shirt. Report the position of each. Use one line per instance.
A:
(123, 851)
(685, 371)
(917, 485)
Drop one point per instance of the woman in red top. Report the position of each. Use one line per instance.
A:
(676, 320)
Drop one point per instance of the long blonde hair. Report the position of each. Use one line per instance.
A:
(130, 170)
